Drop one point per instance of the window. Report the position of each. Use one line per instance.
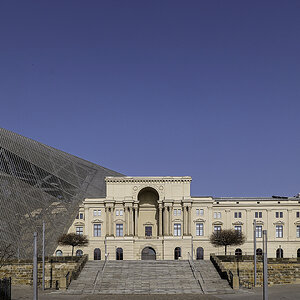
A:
(121, 212)
(97, 212)
(279, 214)
(259, 231)
(238, 228)
(199, 212)
(237, 214)
(81, 216)
(175, 212)
(259, 252)
(79, 230)
(297, 214)
(79, 252)
(217, 215)
(177, 253)
(119, 229)
(279, 231)
(258, 214)
(59, 253)
(199, 229)
(217, 228)
(179, 212)
(148, 230)
(279, 253)
(119, 254)
(238, 252)
(298, 231)
(97, 229)
(177, 229)
(117, 212)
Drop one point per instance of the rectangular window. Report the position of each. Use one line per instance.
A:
(279, 214)
(117, 212)
(258, 214)
(177, 229)
(217, 215)
(95, 213)
(179, 212)
(237, 214)
(99, 212)
(121, 212)
(175, 212)
(148, 230)
(298, 231)
(199, 229)
(297, 214)
(97, 229)
(119, 229)
(217, 228)
(201, 212)
(238, 228)
(259, 231)
(81, 216)
(279, 231)
(79, 230)
(197, 212)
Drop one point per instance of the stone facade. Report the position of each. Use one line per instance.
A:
(156, 217)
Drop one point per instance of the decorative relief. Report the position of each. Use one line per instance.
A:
(97, 221)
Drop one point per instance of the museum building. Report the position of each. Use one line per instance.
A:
(157, 218)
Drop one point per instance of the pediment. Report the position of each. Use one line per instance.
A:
(148, 223)
(177, 220)
(199, 220)
(278, 223)
(97, 221)
(119, 220)
(297, 222)
(258, 222)
(79, 223)
(217, 223)
(238, 223)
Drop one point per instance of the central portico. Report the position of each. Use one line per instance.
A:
(138, 217)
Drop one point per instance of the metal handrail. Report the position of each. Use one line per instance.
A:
(102, 271)
(194, 270)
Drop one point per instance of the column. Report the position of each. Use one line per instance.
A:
(126, 221)
(170, 219)
(112, 221)
(136, 221)
(189, 220)
(130, 221)
(160, 221)
(107, 220)
(184, 221)
(165, 221)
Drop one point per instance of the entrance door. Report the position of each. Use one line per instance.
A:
(200, 253)
(177, 253)
(119, 254)
(97, 254)
(148, 253)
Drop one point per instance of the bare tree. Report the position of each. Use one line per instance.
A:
(7, 252)
(73, 239)
(227, 237)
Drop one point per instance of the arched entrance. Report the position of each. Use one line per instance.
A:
(259, 252)
(119, 254)
(177, 252)
(148, 253)
(238, 252)
(97, 254)
(200, 253)
(279, 253)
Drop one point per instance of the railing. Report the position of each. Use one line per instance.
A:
(73, 275)
(198, 278)
(5, 289)
(101, 277)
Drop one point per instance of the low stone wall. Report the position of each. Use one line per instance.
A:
(280, 271)
(56, 270)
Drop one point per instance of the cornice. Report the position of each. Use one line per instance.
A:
(143, 180)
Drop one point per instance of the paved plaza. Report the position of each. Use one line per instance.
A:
(278, 292)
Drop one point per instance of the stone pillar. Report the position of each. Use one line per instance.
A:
(189, 220)
(112, 221)
(160, 221)
(136, 221)
(107, 221)
(170, 219)
(184, 221)
(130, 221)
(126, 221)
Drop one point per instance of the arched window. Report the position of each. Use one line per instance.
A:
(200, 253)
(79, 252)
(59, 253)
(97, 254)
(148, 253)
(238, 252)
(119, 254)
(177, 252)
(279, 253)
(298, 253)
(259, 251)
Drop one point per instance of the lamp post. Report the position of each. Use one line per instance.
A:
(265, 266)
(35, 268)
(254, 250)
(43, 256)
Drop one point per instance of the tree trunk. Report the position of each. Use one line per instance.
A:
(72, 250)
(225, 250)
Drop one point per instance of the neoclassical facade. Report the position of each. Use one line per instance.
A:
(157, 218)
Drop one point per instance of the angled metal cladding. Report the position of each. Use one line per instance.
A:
(37, 183)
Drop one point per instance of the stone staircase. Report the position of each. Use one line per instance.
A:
(212, 282)
(146, 277)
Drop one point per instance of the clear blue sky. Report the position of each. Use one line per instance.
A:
(209, 89)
